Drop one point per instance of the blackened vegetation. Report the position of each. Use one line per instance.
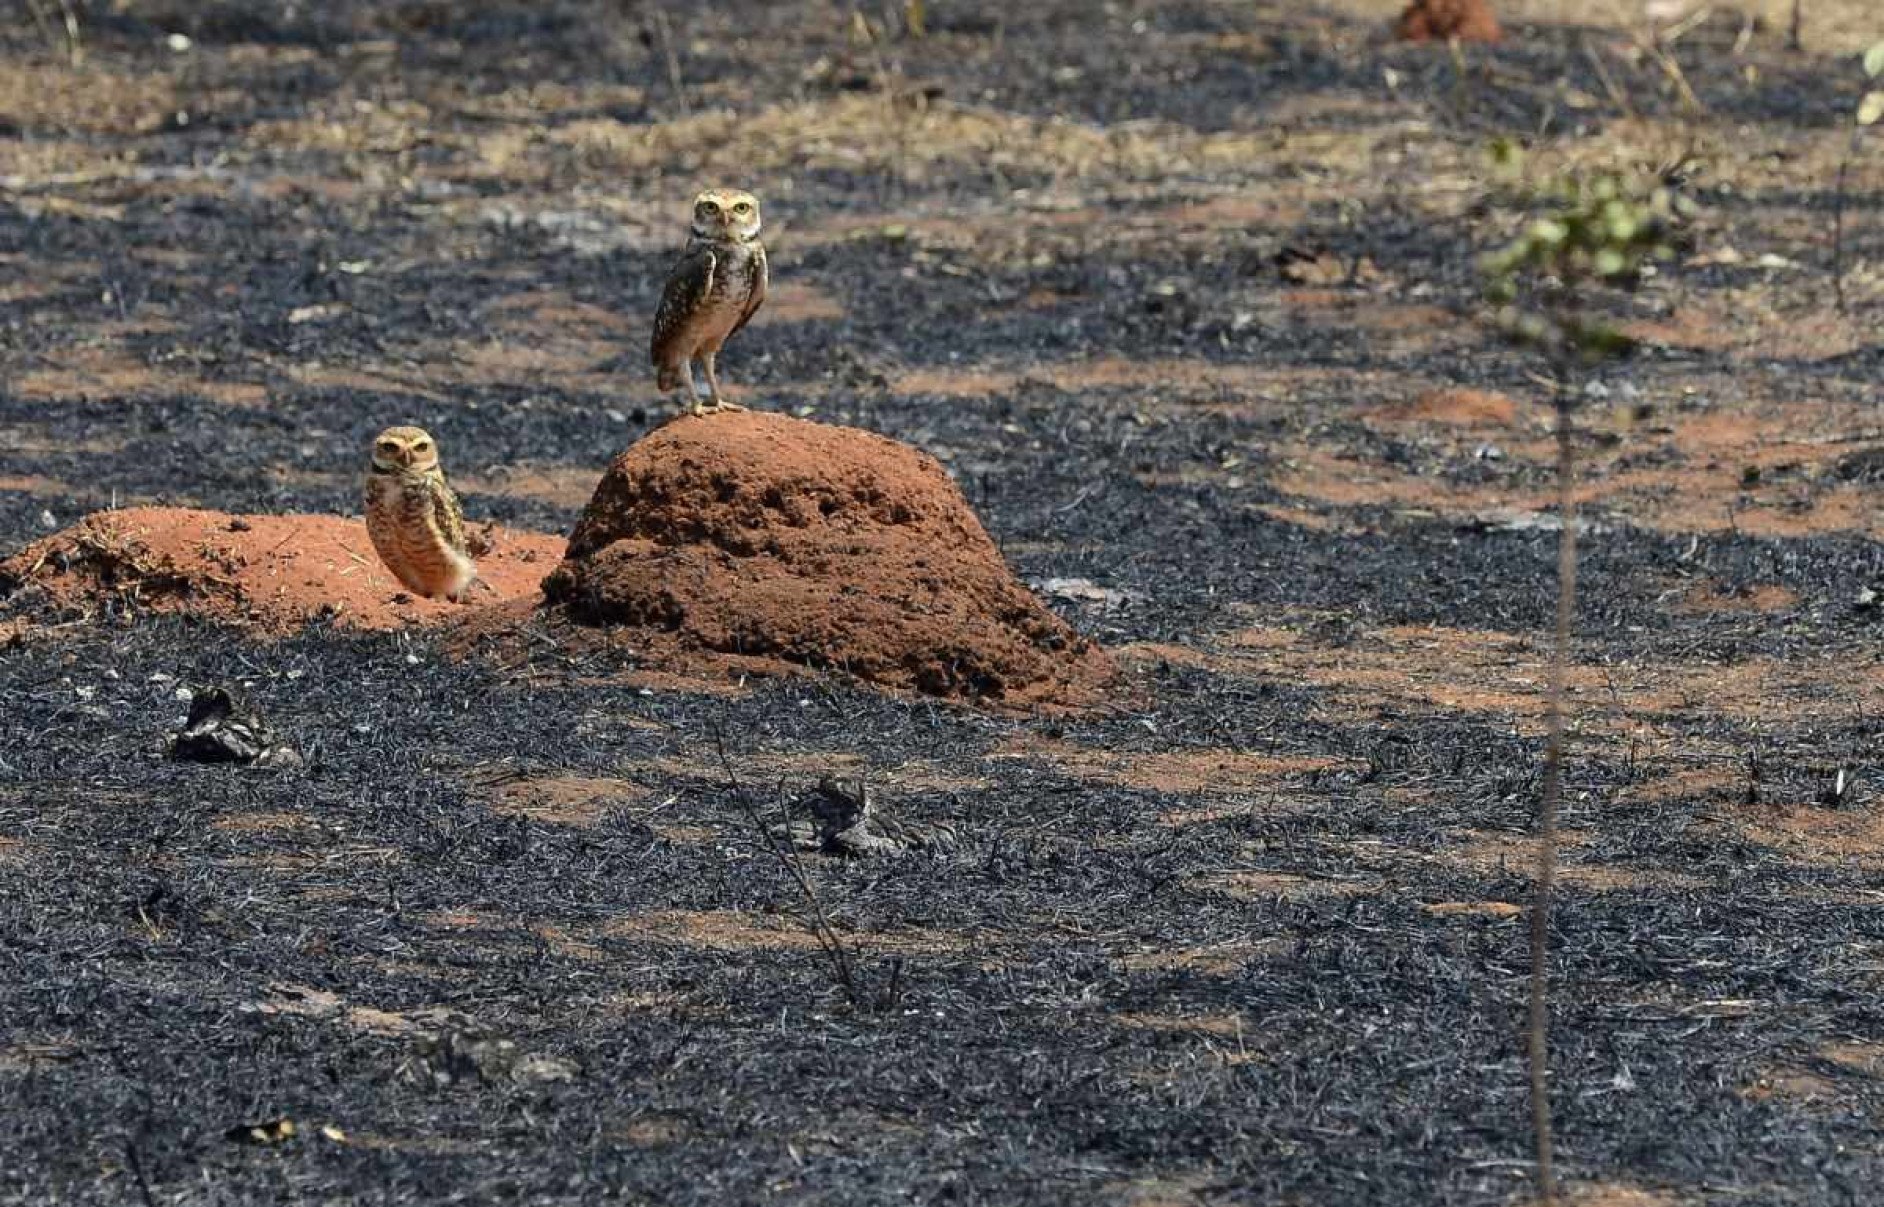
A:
(507, 934)
(219, 729)
(1057, 973)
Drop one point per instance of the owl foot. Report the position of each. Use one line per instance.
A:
(464, 594)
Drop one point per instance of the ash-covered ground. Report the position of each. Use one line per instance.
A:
(1185, 296)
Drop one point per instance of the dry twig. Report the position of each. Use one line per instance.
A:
(665, 35)
(819, 921)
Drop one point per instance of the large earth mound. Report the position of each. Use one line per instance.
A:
(763, 535)
(269, 573)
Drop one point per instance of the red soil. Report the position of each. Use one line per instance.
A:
(759, 536)
(1455, 408)
(1443, 20)
(737, 544)
(272, 574)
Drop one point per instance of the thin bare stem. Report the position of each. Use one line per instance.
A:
(1690, 103)
(820, 924)
(672, 57)
(74, 43)
(892, 113)
(1838, 225)
(1460, 85)
(1551, 798)
(69, 28)
(1616, 94)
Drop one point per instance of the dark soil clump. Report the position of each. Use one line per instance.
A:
(831, 547)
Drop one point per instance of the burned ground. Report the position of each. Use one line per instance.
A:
(1248, 934)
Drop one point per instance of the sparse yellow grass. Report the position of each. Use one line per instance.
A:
(870, 133)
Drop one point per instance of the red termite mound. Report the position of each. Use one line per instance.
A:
(1443, 20)
(768, 537)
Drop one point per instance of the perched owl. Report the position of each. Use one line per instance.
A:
(414, 518)
(713, 289)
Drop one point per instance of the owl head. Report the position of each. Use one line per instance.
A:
(726, 214)
(398, 449)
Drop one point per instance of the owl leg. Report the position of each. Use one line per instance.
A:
(690, 388)
(713, 383)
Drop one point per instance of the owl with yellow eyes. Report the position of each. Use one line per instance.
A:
(712, 291)
(413, 517)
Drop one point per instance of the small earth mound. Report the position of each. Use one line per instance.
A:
(753, 534)
(1443, 20)
(272, 574)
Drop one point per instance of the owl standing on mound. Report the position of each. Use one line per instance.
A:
(715, 287)
(414, 518)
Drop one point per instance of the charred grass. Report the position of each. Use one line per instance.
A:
(1244, 936)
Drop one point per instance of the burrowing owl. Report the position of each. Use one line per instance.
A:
(414, 518)
(714, 288)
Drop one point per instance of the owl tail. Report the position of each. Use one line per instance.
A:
(669, 377)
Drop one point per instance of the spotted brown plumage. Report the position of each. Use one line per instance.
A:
(413, 516)
(712, 291)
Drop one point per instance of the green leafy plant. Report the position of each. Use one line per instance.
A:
(1600, 232)
(1593, 237)
(1869, 112)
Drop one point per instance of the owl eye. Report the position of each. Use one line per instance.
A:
(744, 207)
(420, 446)
(707, 207)
(387, 446)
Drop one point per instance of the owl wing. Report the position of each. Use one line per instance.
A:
(759, 276)
(447, 513)
(689, 283)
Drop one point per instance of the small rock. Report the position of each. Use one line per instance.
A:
(319, 312)
(542, 1070)
(1083, 590)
